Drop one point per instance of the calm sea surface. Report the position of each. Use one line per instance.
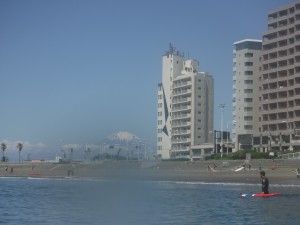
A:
(66, 201)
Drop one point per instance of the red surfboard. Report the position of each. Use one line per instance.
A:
(259, 195)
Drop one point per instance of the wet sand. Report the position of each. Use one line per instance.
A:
(278, 171)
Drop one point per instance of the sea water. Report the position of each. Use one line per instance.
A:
(75, 201)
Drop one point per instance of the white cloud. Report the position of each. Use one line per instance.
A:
(40, 145)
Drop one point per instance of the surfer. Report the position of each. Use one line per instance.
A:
(264, 182)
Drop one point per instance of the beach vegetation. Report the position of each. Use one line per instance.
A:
(20, 147)
(241, 154)
(177, 159)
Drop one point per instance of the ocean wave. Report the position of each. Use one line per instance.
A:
(227, 183)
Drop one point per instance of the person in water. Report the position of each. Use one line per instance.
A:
(264, 182)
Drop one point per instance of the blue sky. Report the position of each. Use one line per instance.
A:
(73, 72)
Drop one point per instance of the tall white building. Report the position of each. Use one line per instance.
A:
(246, 73)
(185, 107)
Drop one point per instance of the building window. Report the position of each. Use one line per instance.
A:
(159, 139)
(248, 100)
(248, 63)
(248, 118)
(248, 91)
(248, 81)
(248, 72)
(248, 127)
(248, 54)
(248, 109)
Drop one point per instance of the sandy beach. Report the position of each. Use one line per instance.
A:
(278, 171)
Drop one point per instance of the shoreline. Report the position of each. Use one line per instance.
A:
(279, 172)
(158, 181)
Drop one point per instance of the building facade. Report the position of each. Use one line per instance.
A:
(185, 107)
(279, 82)
(245, 91)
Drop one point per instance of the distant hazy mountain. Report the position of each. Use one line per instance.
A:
(123, 136)
(122, 139)
(123, 143)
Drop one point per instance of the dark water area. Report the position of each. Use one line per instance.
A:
(67, 201)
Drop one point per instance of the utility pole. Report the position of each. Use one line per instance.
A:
(222, 106)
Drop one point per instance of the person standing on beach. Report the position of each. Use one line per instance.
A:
(264, 182)
(215, 166)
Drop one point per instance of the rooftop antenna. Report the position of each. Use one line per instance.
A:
(171, 48)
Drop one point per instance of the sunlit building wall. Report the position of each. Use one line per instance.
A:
(245, 99)
(280, 80)
(185, 106)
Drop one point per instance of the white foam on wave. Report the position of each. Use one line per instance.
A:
(12, 177)
(91, 179)
(61, 178)
(227, 183)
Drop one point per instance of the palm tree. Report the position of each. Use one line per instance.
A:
(20, 147)
(3, 147)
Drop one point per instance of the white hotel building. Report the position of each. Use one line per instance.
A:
(185, 108)
(246, 71)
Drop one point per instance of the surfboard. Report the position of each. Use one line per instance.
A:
(239, 169)
(259, 195)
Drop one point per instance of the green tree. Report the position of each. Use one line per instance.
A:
(3, 147)
(20, 147)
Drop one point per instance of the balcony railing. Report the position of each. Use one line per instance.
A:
(182, 108)
(181, 124)
(182, 84)
(181, 140)
(181, 100)
(182, 92)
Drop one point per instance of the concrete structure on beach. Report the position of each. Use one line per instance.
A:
(185, 108)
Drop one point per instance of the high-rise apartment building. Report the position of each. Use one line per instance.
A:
(279, 120)
(185, 107)
(245, 91)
